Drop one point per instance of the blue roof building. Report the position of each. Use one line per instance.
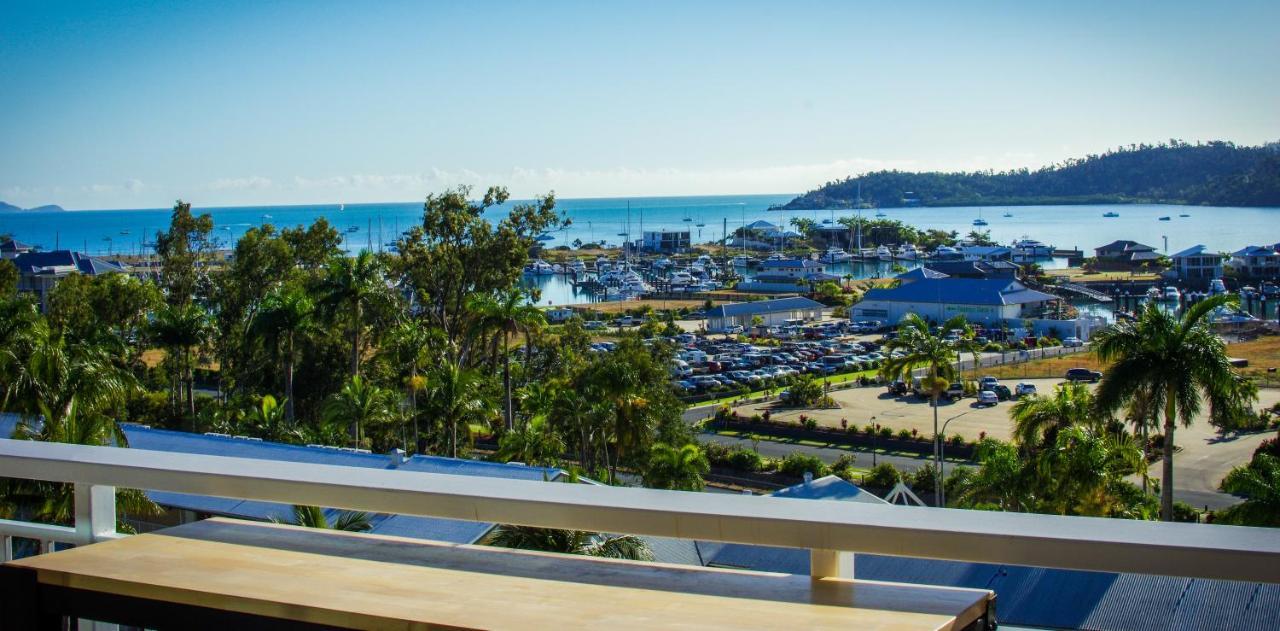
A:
(938, 297)
(38, 272)
(198, 506)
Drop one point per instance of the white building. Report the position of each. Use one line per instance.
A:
(1197, 264)
(668, 241)
(771, 312)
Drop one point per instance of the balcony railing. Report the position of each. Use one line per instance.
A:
(830, 530)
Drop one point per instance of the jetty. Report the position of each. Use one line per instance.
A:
(1083, 291)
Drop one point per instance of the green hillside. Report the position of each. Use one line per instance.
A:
(1213, 173)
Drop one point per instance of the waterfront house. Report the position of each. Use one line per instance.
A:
(10, 249)
(976, 269)
(1197, 265)
(665, 241)
(558, 315)
(38, 272)
(784, 275)
(1257, 262)
(1125, 253)
(772, 312)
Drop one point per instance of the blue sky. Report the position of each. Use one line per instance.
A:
(133, 104)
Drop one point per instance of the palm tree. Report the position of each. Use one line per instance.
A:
(1180, 358)
(1259, 483)
(924, 349)
(285, 314)
(679, 469)
(360, 405)
(349, 287)
(571, 542)
(456, 396)
(270, 421)
(181, 329)
(409, 344)
(314, 517)
(508, 315)
(534, 443)
(1038, 419)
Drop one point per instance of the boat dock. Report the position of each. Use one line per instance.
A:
(1083, 291)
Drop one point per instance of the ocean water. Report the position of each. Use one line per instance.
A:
(373, 225)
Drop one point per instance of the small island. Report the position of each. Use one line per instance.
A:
(6, 207)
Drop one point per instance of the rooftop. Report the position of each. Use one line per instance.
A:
(762, 307)
(966, 291)
(67, 260)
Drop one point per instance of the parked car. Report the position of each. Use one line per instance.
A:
(1073, 342)
(1083, 374)
(987, 397)
(1002, 391)
(955, 391)
(898, 388)
(1025, 389)
(987, 383)
(592, 325)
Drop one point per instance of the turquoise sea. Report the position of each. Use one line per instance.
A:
(369, 225)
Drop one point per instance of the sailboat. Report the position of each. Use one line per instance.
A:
(979, 221)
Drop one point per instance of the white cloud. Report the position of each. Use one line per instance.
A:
(252, 182)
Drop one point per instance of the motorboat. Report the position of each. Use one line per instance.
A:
(1007, 215)
(1154, 293)
(353, 228)
(908, 252)
(1164, 218)
(662, 263)
(539, 267)
(578, 267)
(945, 252)
(884, 253)
(1216, 286)
(835, 255)
(680, 278)
(1172, 293)
(741, 261)
(1032, 248)
(1184, 215)
(1227, 315)
(1111, 213)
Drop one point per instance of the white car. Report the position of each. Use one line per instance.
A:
(733, 330)
(1073, 342)
(987, 397)
(1024, 389)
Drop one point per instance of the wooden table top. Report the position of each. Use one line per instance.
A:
(378, 582)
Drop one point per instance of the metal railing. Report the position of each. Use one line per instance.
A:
(832, 531)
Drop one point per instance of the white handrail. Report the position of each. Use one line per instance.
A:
(1082, 543)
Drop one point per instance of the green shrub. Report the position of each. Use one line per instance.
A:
(956, 440)
(797, 463)
(904, 434)
(885, 432)
(883, 476)
(843, 466)
(922, 480)
(744, 460)
(808, 423)
(1185, 512)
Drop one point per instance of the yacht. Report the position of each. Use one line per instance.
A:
(1153, 293)
(741, 261)
(884, 253)
(578, 267)
(538, 267)
(1184, 215)
(662, 263)
(835, 255)
(1216, 286)
(1111, 213)
(1008, 215)
(881, 214)
(908, 252)
(1172, 293)
(680, 278)
(1032, 248)
(979, 221)
(1228, 315)
(946, 252)
(1164, 218)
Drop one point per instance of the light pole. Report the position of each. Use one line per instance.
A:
(875, 434)
(942, 460)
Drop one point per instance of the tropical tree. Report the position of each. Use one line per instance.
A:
(571, 542)
(314, 517)
(1038, 419)
(534, 443)
(676, 468)
(284, 315)
(349, 287)
(360, 405)
(1178, 357)
(456, 396)
(270, 421)
(181, 329)
(921, 348)
(409, 345)
(1259, 484)
(507, 315)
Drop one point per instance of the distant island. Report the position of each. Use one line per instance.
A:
(1214, 173)
(6, 207)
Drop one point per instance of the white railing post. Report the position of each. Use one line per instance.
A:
(830, 563)
(6, 549)
(95, 512)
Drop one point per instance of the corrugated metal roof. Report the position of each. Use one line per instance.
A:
(763, 306)
(829, 488)
(30, 262)
(966, 291)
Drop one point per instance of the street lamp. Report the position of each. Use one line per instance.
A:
(875, 434)
(942, 460)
